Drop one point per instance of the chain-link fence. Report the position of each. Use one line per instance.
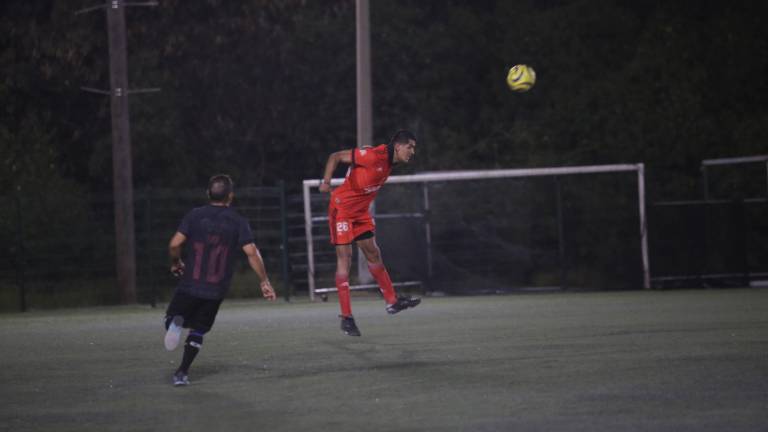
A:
(720, 240)
(713, 243)
(58, 250)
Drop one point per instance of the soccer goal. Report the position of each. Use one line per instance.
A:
(496, 230)
(720, 239)
(759, 162)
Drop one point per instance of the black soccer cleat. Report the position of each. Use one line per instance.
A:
(180, 379)
(348, 326)
(403, 303)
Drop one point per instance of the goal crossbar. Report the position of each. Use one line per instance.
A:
(707, 163)
(734, 160)
(443, 176)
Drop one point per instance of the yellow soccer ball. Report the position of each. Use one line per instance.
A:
(521, 78)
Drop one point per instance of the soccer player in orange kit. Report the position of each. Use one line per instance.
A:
(350, 221)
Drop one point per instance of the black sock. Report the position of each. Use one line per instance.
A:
(191, 348)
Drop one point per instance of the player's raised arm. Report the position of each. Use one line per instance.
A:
(344, 156)
(257, 264)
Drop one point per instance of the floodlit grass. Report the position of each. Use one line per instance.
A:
(681, 360)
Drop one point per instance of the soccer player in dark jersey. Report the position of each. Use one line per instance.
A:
(203, 252)
(350, 221)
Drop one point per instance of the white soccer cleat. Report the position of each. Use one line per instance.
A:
(173, 335)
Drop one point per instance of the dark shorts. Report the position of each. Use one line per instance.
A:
(199, 314)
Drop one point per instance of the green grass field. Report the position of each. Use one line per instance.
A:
(620, 361)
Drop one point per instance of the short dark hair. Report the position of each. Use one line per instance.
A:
(402, 137)
(219, 187)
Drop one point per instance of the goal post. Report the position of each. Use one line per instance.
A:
(317, 218)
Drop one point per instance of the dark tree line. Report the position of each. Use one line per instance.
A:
(265, 89)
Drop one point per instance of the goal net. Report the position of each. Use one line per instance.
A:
(498, 230)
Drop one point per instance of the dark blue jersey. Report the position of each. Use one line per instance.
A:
(215, 237)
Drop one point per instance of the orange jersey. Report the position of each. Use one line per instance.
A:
(369, 170)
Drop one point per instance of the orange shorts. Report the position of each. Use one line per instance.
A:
(346, 227)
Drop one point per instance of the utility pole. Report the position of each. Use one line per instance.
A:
(122, 169)
(364, 101)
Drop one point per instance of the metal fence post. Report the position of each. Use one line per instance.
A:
(284, 241)
(560, 233)
(148, 246)
(742, 237)
(428, 232)
(21, 256)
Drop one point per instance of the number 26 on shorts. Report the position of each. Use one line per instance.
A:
(342, 226)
